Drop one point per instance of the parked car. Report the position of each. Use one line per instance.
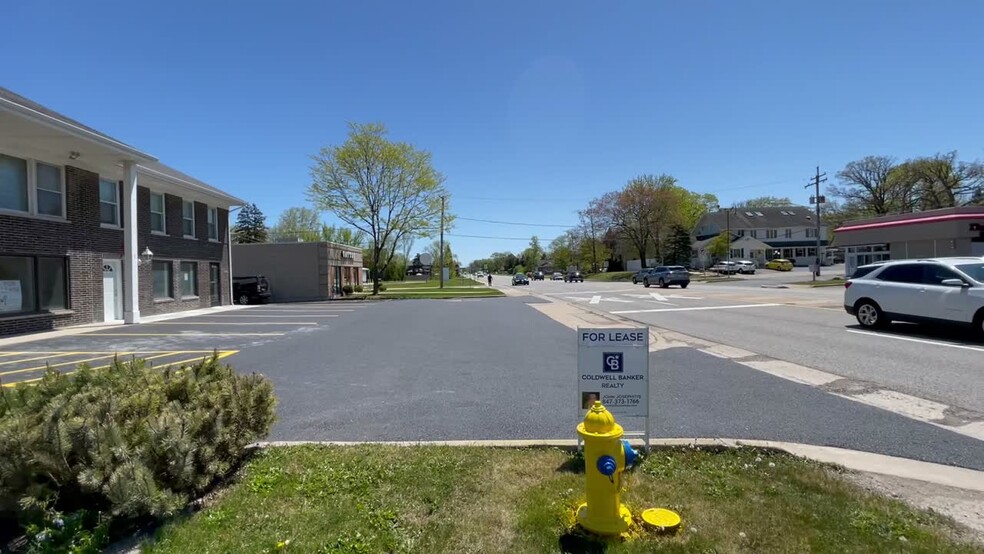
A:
(574, 276)
(725, 268)
(537, 275)
(937, 290)
(520, 279)
(558, 276)
(251, 289)
(746, 267)
(637, 277)
(779, 264)
(665, 276)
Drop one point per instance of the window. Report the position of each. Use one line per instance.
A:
(213, 224)
(902, 273)
(771, 233)
(760, 214)
(189, 278)
(800, 252)
(740, 232)
(50, 190)
(749, 214)
(13, 183)
(109, 203)
(157, 213)
(811, 233)
(936, 274)
(188, 218)
(976, 271)
(29, 284)
(755, 233)
(789, 233)
(163, 287)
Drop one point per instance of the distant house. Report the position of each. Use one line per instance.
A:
(761, 234)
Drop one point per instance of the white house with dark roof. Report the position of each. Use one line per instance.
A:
(761, 234)
(93, 229)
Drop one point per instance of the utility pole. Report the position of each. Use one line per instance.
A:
(442, 243)
(817, 199)
(728, 215)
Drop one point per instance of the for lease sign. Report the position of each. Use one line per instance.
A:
(613, 366)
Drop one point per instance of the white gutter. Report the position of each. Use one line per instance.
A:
(85, 134)
(188, 184)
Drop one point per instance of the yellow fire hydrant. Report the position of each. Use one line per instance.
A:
(606, 456)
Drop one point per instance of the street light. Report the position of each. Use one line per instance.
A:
(146, 256)
(727, 212)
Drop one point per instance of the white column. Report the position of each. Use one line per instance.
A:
(131, 279)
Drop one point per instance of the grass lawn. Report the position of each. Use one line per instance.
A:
(451, 499)
(611, 276)
(824, 283)
(454, 288)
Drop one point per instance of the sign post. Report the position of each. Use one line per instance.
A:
(613, 367)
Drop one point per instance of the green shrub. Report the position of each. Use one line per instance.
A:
(382, 287)
(129, 440)
(358, 288)
(347, 289)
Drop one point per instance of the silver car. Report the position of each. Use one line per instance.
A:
(746, 267)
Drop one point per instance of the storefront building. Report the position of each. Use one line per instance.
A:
(930, 234)
(300, 271)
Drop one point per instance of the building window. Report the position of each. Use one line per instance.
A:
(189, 279)
(188, 218)
(789, 233)
(13, 183)
(213, 223)
(771, 233)
(30, 284)
(740, 232)
(800, 252)
(157, 213)
(31, 187)
(50, 190)
(755, 233)
(163, 286)
(811, 233)
(109, 203)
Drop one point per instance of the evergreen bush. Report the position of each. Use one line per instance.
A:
(129, 440)
(359, 288)
(347, 289)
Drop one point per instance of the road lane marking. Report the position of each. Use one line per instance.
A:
(39, 358)
(75, 362)
(233, 323)
(195, 334)
(657, 296)
(700, 308)
(221, 354)
(224, 316)
(911, 339)
(594, 300)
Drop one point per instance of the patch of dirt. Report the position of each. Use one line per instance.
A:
(966, 507)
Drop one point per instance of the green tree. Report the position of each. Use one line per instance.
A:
(343, 235)
(385, 189)
(873, 186)
(533, 254)
(692, 206)
(297, 224)
(940, 181)
(766, 202)
(435, 250)
(642, 211)
(718, 247)
(679, 248)
(250, 226)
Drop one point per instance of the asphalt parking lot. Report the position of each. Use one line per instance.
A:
(173, 341)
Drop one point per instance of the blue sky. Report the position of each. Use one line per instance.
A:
(529, 108)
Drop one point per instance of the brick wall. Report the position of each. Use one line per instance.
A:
(85, 243)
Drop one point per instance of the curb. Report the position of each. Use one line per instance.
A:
(928, 472)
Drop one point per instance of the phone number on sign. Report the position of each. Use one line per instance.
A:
(622, 400)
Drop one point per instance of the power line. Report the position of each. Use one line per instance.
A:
(513, 223)
(496, 238)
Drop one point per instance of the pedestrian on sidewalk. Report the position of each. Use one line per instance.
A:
(490, 279)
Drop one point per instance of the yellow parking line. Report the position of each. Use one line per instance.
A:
(233, 323)
(97, 335)
(40, 358)
(56, 365)
(221, 354)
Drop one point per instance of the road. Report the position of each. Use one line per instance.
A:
(803, 325)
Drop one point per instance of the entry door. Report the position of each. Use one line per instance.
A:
(214, 289)
(112, 290)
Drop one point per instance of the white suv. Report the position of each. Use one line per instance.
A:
(947, 290)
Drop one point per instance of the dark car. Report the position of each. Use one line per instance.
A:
(520, 279)
(574, 276)
(638, 275)
(667, 275)
(253, 289)
(537, 275)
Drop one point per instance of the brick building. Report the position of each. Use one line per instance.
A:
(69, 251)
(301, 271)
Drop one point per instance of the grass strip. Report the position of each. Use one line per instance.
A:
(451, 499)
